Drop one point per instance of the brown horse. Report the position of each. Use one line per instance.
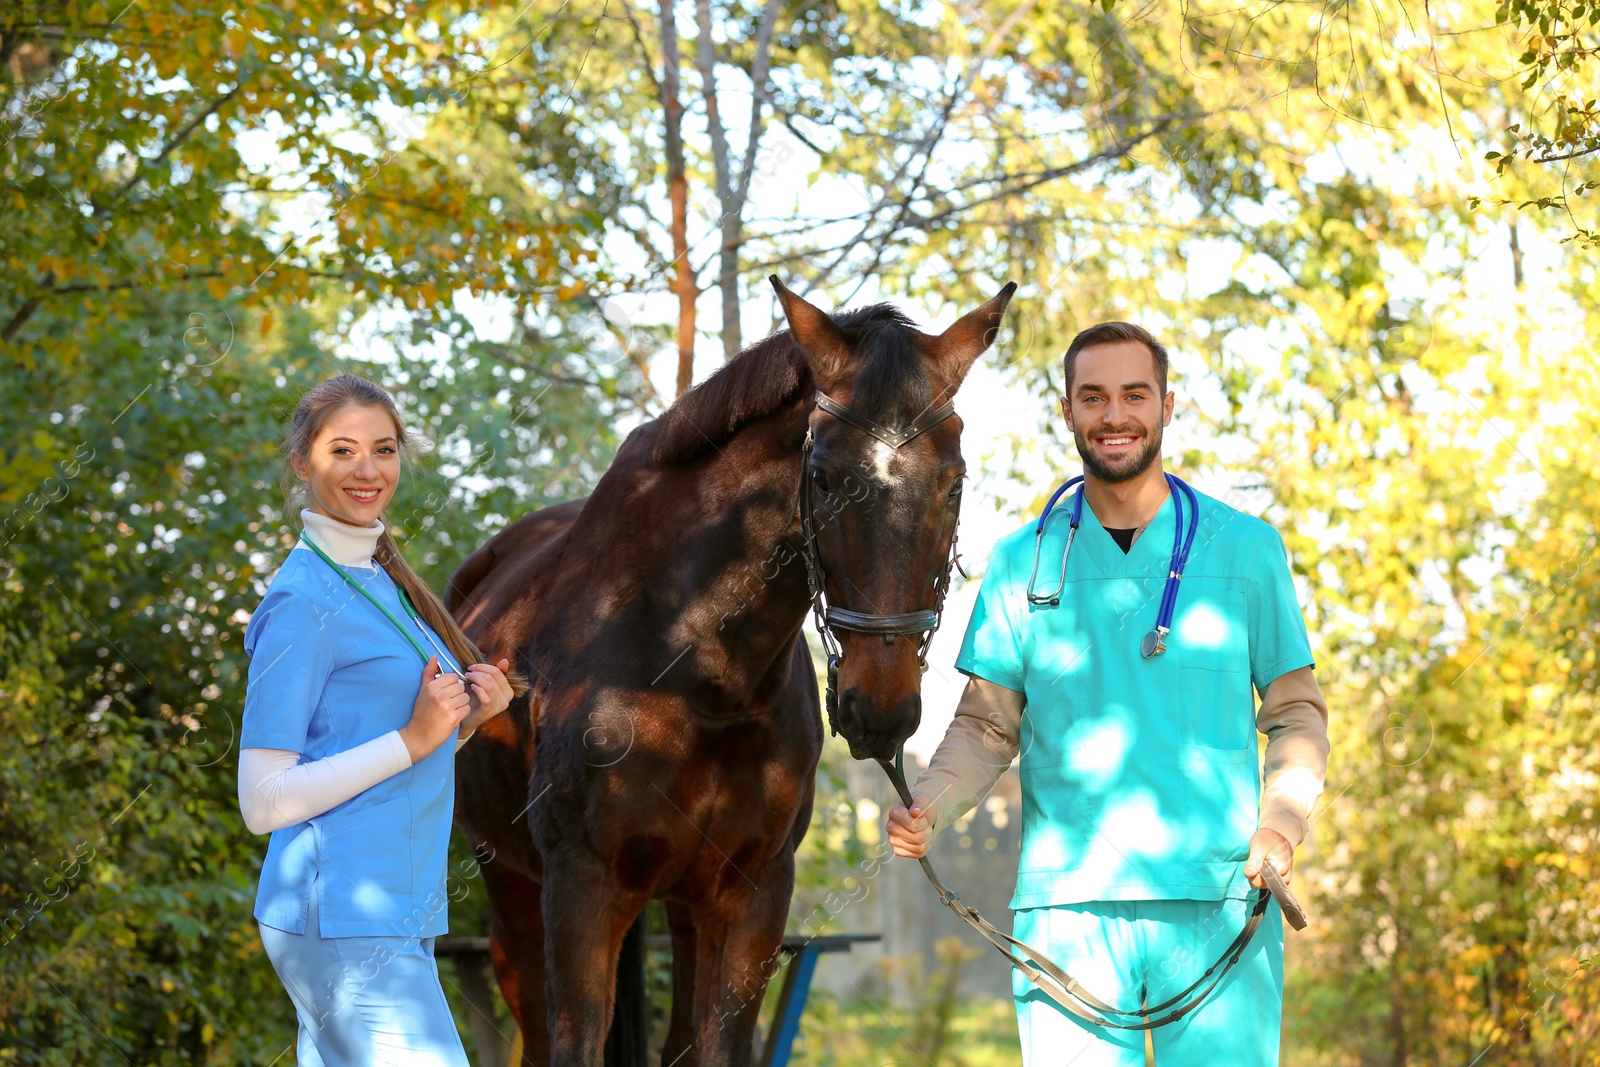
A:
(669, 745)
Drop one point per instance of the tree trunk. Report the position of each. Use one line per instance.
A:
(1524, 334)
(732, 222)
(683, 283)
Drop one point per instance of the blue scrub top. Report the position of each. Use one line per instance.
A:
(329, 672)
(1140, 778)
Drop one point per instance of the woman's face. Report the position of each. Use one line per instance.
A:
(352, 467)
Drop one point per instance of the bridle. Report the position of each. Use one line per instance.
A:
(887, 625)
(1048, 976)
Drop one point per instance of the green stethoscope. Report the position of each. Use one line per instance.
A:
(422, 653)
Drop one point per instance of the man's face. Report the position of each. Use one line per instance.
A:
(1116, 410)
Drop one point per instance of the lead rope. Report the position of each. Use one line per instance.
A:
(1056, 983)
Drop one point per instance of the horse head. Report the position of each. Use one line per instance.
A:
(880, 491)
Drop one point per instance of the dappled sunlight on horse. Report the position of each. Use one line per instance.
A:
(668, 747)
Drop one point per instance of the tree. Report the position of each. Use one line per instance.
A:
(155, 146)
(1277, 195)
(939, 127)
(141, 519)
(1559, 132)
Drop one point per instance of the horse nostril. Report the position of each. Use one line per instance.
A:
(853, 709)
(912, 709)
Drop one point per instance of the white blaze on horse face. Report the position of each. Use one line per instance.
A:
(882, 456)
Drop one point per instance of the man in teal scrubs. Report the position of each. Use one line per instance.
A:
(1144, 823)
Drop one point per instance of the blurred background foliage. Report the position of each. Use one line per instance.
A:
(1367, 224)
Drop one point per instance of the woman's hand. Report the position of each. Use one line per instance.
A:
(442, 704)
(490, 693)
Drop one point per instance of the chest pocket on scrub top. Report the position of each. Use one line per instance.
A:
(1211, 642)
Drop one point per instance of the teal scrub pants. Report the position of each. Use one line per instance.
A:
(1141, 952)
(364, 1001)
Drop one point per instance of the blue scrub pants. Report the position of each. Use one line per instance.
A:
(1135, 952)
(364, 1001)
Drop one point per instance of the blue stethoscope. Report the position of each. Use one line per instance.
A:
(1155, 642)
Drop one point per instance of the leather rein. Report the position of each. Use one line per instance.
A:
(1049, 977)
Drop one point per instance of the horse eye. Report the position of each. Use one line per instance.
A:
(820, 478)
(955, 490)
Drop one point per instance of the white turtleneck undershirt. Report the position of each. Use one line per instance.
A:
(345, 544)
(277, 790)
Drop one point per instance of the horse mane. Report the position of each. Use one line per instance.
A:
(768, 374)
(754, 383)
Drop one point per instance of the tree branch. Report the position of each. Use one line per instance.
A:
(788, 122)
(1013, 185)
(19, 319)
(929, 142)
(1039, 178)
(179, 137)
(629, 349)
(644, 50)
(1591, 150)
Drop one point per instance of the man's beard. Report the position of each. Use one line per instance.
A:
(1124, 470)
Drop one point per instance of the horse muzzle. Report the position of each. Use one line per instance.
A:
(873, 734)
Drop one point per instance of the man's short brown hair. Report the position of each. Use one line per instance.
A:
(1108, 333)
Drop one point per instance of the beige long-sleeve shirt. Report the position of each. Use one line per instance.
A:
(984, 737)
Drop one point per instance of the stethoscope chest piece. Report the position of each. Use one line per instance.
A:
(1153, 644)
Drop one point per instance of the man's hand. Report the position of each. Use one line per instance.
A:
(1269, 846)
(910, 831)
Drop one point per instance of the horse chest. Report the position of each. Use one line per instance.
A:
(660, 823)
(716, 803)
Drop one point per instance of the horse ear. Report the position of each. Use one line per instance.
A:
(813, 329)
(959, 347)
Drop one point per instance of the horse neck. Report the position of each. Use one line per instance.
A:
(716, 542)
(757, 577)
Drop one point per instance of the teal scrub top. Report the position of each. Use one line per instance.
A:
(1140, 777)
(329, 672)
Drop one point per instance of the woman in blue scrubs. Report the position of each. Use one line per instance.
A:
(356, 685)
